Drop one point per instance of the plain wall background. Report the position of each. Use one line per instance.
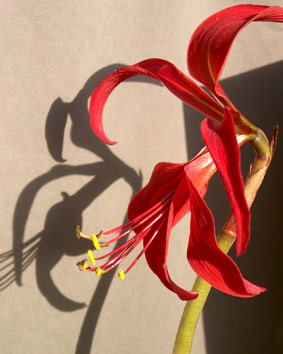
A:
(52, 57)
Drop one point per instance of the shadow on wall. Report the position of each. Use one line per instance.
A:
(234, 325)
(54, 241)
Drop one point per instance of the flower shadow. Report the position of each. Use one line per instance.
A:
(54, 241)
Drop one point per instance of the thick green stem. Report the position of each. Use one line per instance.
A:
(263, 152)
(193, 308)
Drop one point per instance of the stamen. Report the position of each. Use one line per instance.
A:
(124, 245)
(79, 234)
(144, 222)
(139, 220)
(113, 262)
(100, 234)
(95, 242)
(93, 237)
(123, 234)
(142, 251)
(127, 247)
(99, 271)
(121, 274)
(91, 257)
(82, 265)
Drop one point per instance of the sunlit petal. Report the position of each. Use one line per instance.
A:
(206, 258)
(175, 81)
(221, 142)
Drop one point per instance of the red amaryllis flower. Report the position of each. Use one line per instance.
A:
(207, 54)
(175, 189)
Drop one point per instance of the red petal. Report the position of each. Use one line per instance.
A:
(212, 40)
(206, 258)
(222, 144)
(164, 180)
(179, 84)
(201, 169)
(156, 254)
(170, 178)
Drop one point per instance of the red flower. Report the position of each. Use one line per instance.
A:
(173, 191)
(153, 212)
(176, 189)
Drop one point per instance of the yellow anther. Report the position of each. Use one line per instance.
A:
(90, 256)
(85, 266)
(99, 271)
(95, 242)
(82, 265)
(121, 274)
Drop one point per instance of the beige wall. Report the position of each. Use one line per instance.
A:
(62, 49)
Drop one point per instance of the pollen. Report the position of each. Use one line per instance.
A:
(121, 274)
(91, 257)
(82, 265)
(95, 242)
(145, 227)
(99, 271)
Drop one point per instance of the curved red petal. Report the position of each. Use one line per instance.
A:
(175, 81)
(200, 169)
(164, 180)
(171, 179)
(222, 144)
(206, 258)
(211, 42)
(156, 254)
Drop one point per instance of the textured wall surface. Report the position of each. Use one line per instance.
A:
(56, 174)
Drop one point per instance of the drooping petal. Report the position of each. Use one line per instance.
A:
(221, 142)
(163, 183)
(175, 81)
(211, 42)
(170, 179)
(206, 258)
(156, 254)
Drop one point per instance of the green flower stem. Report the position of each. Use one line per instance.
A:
(264, 153)
(262, 149)
(192, 310)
